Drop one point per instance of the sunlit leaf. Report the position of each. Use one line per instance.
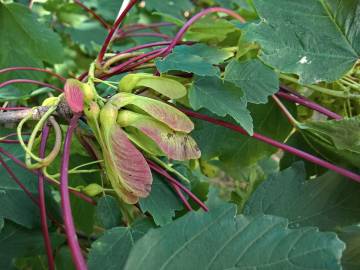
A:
(219, 30)
(198, 59)
(317, 40)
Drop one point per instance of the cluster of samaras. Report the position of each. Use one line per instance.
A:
(128, 126)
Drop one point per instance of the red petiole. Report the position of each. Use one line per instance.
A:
(69, 225)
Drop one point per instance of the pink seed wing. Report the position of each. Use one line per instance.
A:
(74, 96)
(165, 113)
(113, 176)
(176, 145)
(131, 165)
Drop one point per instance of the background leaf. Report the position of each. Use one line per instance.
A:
(173, 8)
(111, 250)
(107, 9)
(328, 202)
(219, 240)
(218, 32)
(15, 203)
(88, 35)
(351, 257)
(337, 141)
(254, 78)
(162, 202)
(16, 241)
(107, 212)
(222, 98)
(297, 140)
(63, 259)
(19, 27)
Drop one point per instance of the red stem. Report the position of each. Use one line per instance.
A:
(18, 182)
(136, 48)
(307, 103)
(113, 30)
(145, 46)
(172, 180)
(130, 64)
(22, 186)
(147, 34)
(15, 134)
(177, 38)
(126, 65)
(195, 18)
(91, 12)
(4, 70)
(276, 144)
(42, 201)
(13, 108)
(69, 225)
(6, 83)
(21, 164)
(83, 76)
(181, 196)
(153, 44)
(154, 26)
(142, 61)
(9, 141)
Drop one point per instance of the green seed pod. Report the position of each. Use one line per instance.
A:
(90, 93)
(126, 118)
(92, 190)
(50, 101)
(108, 116)
(128, 83)
(163, 85)
(92, 111)
(209, 169)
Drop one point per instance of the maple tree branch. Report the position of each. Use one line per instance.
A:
(15, 116)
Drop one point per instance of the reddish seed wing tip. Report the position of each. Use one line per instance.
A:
(131, 165)
(74, 96)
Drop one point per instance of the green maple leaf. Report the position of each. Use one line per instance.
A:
(315, 39)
